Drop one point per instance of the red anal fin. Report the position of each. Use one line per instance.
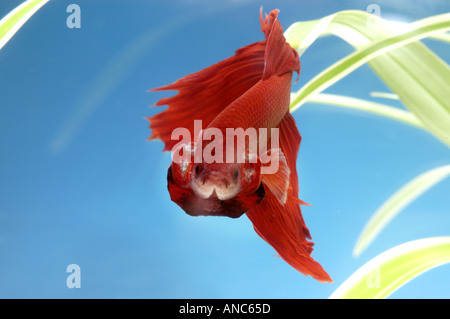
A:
(281, 226)
(280, 57)
(203, 95)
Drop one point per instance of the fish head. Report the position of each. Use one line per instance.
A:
(215, 189)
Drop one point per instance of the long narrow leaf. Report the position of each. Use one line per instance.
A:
(337, 71)
(384, 95)
(14, 20)
(389, 271)
(397, 202)
(444, 37)
(368, 106)
(412, 71)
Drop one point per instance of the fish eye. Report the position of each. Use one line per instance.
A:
(198, 169)
(235, 174)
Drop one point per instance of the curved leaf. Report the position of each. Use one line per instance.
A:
(384, 95)
(444, 37)
(397, 202)
(412, 71)
(389, 271)
(12, 22)
(368, 106)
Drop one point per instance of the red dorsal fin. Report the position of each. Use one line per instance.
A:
(279, 57)
(281, 226)
(203, 95)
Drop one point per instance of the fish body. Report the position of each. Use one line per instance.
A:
(263, 106)
(248, 91)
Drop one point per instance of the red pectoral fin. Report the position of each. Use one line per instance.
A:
(203, 95)
(276, 181)
(281, 226)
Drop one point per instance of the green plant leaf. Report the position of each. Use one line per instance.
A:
(444, 37)
(389, 271)
(403, 197)
(368, 106)
(414, 73)
(384, 95)
(12, 22)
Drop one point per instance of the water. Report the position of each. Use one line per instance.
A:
(79, 183)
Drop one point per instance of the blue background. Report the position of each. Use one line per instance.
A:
(80, 184)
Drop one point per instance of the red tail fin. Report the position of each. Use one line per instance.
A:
(280, 57)
(281, 226)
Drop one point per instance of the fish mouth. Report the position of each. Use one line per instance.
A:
(214, 185)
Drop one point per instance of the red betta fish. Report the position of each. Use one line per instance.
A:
(248, 90)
